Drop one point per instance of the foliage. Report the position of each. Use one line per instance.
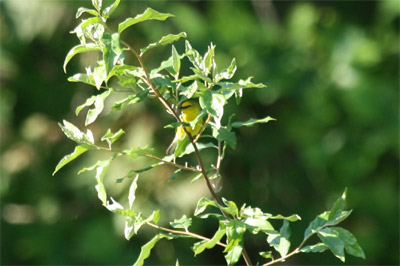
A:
(213, 88)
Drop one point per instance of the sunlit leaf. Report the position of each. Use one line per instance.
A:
(148, 14)
(231, 207)
(146, 249)
(97, 4)
(81, 77)
(98, 101)
(183, 222)
(223, 134)
(208, 61)
(111, 137)
(131, 99)
(132, 190)
(81, 48)
(266, 254)
(291, 218)
(202, 205)
(73, 133)
(82, 10)
(176, 61)
(136, 152)
(70, 157)
(226, 73)
(110, 9)
(112, 51)
(252, 121)
(199, 247)
(234, 234)
(168, 39)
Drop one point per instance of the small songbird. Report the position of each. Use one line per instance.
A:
(189, 111)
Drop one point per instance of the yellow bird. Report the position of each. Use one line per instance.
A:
(190, 110)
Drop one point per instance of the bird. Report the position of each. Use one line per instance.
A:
(189, 111)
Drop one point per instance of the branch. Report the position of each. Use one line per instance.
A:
(197, 152)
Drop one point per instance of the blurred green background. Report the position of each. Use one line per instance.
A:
(332, 70)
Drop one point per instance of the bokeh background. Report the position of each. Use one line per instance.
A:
(332, 71)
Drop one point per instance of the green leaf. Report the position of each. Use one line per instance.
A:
(174, 175)
(112, 51)
(234, 233)
(329, 218)
(183, 223)
(223, 134)
(148, 14)
(132, 190)
(97, 4)
(291, 218)
(191, 90)
(350, 243)
(200, 146)
(176, 61)
(202, 205)
(146, 249)
(82, 10)
(130, 174)
(147, 168)
(199, 247)
(319, 247)
(81, 48)
(280, 241)
(170, 38)
(98, 101)
(80, 77)
(99, 75)
(136, 152)
(266, 254)
(252, 121)
(194, 57)
(208, 61)
(338, 208)
(257, 224)
(131, 99)
(234, 254)
(231, 208)
(80, 149)
(241, 84)
(110, 9)
(111, 137)
(214, 104)
(331, 239)
(73, 133)
(226, 73)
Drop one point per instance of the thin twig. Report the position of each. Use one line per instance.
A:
(187, 233)
(173, 164)
(202, 128)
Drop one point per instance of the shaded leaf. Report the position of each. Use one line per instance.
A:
(223, 134)
(331, 239)
(320, 247)
(176, 61)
